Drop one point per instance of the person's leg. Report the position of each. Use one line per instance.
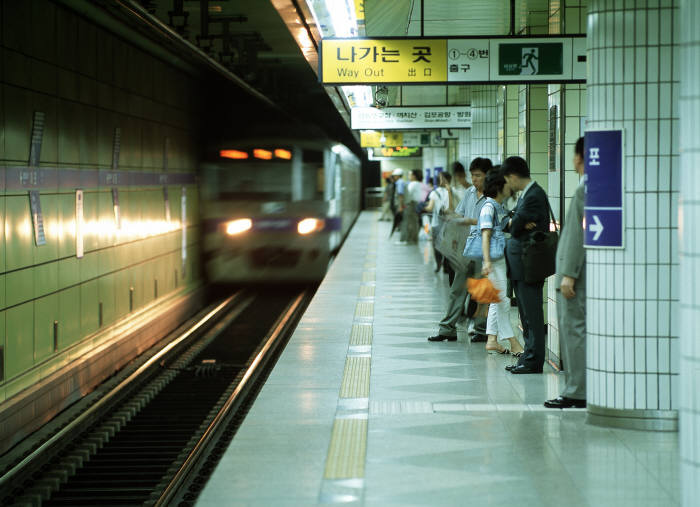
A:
(502, 309)
(438, 257)
(571, 315)
(515, 284)
(455, 305)
(531, 295)
(492, 331)
(447, 268)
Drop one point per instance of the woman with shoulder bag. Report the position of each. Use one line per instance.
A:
(493, 244)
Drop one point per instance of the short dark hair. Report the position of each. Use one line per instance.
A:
(515, 165)
(578, 149)
(448, 176)
(494, 183)
(458, 168)
(418, 174)
(481, 164)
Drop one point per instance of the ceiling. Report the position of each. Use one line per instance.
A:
(271, 44)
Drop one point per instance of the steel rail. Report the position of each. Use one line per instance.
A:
(232, 403)
(93, 411)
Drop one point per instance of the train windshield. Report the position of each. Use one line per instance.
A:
(250, 181)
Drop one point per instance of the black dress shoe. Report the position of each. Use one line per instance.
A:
(563, 402)
(521, 369)
(510, 367)
(479, 338)
(442, 337)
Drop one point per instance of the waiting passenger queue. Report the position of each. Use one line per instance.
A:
(498, 237)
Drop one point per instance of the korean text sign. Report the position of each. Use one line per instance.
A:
(383, 60)
(603, 208)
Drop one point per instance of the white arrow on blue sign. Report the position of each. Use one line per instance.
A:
(603, 208)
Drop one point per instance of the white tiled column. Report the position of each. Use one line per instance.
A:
(464, 147)
(689, 405)
(632, 308)
(485, 112)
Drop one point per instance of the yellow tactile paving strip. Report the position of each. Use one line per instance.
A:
(364, 310)
(367, 291)
(348, 445)
(361, 334)
(346, 453)
(369, 276)
(355, 378)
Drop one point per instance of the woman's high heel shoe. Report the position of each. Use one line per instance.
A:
(497, 350)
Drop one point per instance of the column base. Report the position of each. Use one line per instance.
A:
(633, 419)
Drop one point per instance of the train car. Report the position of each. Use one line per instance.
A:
(276, 209)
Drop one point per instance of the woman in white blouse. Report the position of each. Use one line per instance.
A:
(498, 326)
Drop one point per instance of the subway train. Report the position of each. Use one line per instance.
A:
(276, 209)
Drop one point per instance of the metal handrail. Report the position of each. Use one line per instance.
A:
(107, 398)
(233, 401)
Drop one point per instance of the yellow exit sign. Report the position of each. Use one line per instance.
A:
(348, 61)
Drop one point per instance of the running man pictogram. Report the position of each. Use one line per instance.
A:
(530, 61)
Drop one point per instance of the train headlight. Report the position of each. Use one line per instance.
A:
(238, 226)
(309, 225)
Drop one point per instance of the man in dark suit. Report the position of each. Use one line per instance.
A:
(531, 214)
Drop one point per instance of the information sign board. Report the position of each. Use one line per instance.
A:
(454, 60)
(604, 173)
(379, 139)
(398, 152)
(345, 61)
(411, 117)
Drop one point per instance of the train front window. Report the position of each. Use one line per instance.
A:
(268, 181)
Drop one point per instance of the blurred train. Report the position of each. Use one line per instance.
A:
(276, 209)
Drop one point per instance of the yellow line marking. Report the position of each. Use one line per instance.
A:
(367, 291)
(355, 378)
(364, 309)
(369, 276)
(346, 453)
(361, 334)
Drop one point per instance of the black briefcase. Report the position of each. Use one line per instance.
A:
(540, 253)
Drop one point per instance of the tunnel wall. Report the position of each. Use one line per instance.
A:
(88, 83)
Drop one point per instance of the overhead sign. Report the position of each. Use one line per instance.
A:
(423, 138)
(346, 61)
(603, 208)
(398, 152)
(379, 139)
(454, 60)
(411, 117)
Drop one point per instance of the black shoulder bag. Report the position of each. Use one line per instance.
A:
(540, 253)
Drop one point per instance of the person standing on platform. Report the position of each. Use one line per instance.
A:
(441, 200)
(531, 213)
(386, 200)
(571, 297)
(411, 219)
(467, 212)
(498, 327)
(460, 185)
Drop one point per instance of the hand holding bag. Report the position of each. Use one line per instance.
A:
(540, 253)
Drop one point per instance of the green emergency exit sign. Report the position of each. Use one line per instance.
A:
(530, 59)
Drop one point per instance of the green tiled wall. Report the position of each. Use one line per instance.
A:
(87, 82)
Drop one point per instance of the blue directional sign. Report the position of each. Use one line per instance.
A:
(603, 209)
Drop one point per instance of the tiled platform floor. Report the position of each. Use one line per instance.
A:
(446, 424)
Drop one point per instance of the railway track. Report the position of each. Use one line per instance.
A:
(144, 441)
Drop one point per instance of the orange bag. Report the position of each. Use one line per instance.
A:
(482, 290)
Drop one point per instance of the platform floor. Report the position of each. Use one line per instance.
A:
(361, 409)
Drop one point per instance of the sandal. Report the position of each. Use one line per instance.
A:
(502, 351)
(517, 354)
